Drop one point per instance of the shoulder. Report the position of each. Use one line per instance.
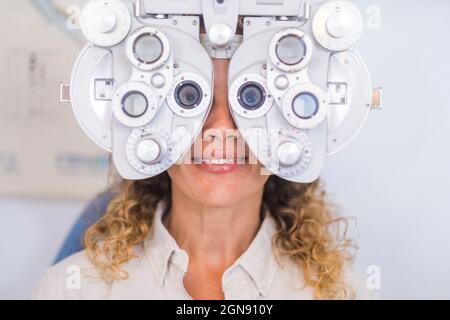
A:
(289, 282)
(73, 278)
(77, 278)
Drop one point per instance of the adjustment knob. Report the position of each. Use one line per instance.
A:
(104, 20)
(337, 25)
(281, 82)
(148, 151)
(221, 34)
(290, 157)
(105, 23)
(340, 24)
(289, 153)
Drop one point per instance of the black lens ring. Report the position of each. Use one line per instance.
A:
(125, 97)
(245, 86)
(193, 84)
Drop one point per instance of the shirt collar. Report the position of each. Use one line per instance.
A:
(258, 260)
(159, 245)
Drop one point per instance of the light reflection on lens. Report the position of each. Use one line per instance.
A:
(134, 104)
(148, 48)
(291, 50)
(305, 105)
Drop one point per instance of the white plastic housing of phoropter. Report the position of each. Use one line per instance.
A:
(298, 91)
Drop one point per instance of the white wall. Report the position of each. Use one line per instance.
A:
(31, 233)
(393, 177)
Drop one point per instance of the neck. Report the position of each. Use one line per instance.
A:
(219, 235)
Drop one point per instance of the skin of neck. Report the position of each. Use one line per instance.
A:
(216, 235)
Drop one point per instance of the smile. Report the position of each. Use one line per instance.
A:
(224, 161)
(219, 166)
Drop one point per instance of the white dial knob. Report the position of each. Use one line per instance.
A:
(289, 153)
(282, 82)
(105, 23)
(148, 151)
(158, 80)
(340, 24)
(291, 156)
(220, 34)
(337, 25)
(104, 20)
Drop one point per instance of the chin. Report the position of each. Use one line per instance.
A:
(221, 199)
(217, 187)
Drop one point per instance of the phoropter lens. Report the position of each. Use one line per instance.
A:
(188, 94)
(305, 105)
(134, 104)
(251, 96)
(291, 50)
(148, 48)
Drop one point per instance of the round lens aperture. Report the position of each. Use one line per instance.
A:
(148, 48)
(251, 96)
(305, 105)
(291, 49)
(134, 104)
(188, 95)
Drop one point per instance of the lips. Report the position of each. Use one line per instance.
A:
(224, 165)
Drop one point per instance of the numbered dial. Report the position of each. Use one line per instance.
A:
(150, 150)
(338, 25)
(105, 23)
(289, 152)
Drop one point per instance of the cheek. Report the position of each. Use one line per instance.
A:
(218, 189)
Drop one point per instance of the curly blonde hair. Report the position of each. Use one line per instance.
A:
(308, 230)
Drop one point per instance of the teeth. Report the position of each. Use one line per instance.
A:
(220, 161)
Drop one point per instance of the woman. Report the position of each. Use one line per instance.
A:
(210, 231)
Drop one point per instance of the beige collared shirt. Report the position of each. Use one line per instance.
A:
(158, 271)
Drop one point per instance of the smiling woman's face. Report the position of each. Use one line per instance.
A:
(219, 177)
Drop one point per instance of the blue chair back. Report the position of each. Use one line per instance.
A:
(74, 241)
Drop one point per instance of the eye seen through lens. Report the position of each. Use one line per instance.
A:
(251, 96)
(134, 104)
(291, 49)
(188, 95)
(148, 48)
(305, 105)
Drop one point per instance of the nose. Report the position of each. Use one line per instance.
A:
(220, 122)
